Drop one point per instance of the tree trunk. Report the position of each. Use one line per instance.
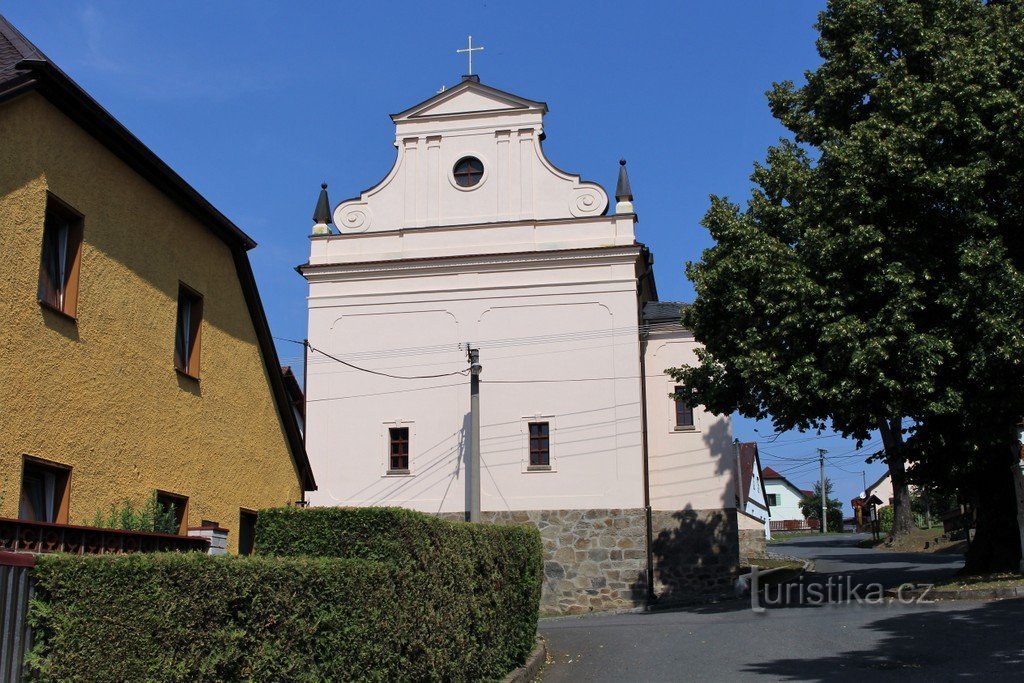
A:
(996, 543)
(1017, 468)
(892, 441)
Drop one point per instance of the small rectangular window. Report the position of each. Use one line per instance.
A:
(61, 258)
(684, 414)
(188, 331)
(398, 460)
(44, 491)
(540, 444)
(178, 505)
(773, 499)
(246, 532)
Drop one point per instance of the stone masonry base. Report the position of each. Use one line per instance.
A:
(597, 559)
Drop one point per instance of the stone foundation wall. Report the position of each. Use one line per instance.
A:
(752, 544)
(596, 560)
(593, 559)
(695, 552)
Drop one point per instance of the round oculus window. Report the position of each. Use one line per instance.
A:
(468, 171)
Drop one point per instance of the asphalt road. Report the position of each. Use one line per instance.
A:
(814, 640)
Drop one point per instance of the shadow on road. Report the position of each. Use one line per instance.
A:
(912, 643)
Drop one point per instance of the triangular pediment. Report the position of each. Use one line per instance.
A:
(468, 97)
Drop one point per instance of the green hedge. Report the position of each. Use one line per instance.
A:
(399, 596)
(193, 617)
(475, 592)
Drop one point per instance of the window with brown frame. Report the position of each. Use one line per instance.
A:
(540, 444)
(188, 331)
(61, 258)
(398, 459)
(468, 171)
(246, 532)
(45, 491)
(684, 413)
(177, 503)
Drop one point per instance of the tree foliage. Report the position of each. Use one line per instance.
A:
(875, 278)
(810, 506)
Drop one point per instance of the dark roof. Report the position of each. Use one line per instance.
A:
(663, 311)
(750, 459)
(24, 68)
(291, 384)
(472, 84)
(14, 47)
(768, 473)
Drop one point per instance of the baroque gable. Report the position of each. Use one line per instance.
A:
(500, 134)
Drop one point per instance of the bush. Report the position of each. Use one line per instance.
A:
(193, 617)
(474, 589)
(886, 517)
(400, 596)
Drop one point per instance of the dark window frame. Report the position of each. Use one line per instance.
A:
(398, 450)
(246, 531)
(180, 503)
(188, 331)
(539, 445)
(468, 172)
(684, 414)
(60, 259)
(34, 467)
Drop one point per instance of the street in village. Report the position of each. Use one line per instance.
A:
(728, 641)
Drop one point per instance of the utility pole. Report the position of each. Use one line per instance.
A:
(474, 433)
(824, 493)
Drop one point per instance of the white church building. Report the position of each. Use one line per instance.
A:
(475, 239)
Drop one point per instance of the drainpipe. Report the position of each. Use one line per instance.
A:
(647, 476)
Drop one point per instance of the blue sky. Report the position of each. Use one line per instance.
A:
(256, 103)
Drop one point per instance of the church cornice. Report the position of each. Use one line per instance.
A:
(505, 260)
(606, 218)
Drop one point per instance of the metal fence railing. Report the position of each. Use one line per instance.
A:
(15, 593)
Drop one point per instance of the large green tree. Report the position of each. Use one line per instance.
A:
(874, 279)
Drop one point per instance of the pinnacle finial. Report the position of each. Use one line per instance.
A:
(322, 213)
(623, 193)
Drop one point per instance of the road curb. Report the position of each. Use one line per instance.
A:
(534, 663)
(929, 595)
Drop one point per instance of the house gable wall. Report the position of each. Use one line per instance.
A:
(101, 395)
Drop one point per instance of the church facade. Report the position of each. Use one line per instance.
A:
(476, 240)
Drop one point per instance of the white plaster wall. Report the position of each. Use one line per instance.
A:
(582, 379)
(789, 507)
(755, 494)
(688, 469)
(883, 491)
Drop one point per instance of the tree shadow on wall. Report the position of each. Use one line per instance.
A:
(695, 552)
(694, 556)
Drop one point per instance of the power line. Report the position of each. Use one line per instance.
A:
(313, 349)
(509, 342)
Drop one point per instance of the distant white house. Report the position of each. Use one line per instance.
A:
(783, 499)
(751, 496)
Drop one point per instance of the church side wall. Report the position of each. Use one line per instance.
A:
(689, 468)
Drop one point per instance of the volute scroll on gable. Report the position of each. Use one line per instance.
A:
(501, 133)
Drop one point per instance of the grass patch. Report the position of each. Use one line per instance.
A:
(982, 581)
(918, 541)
